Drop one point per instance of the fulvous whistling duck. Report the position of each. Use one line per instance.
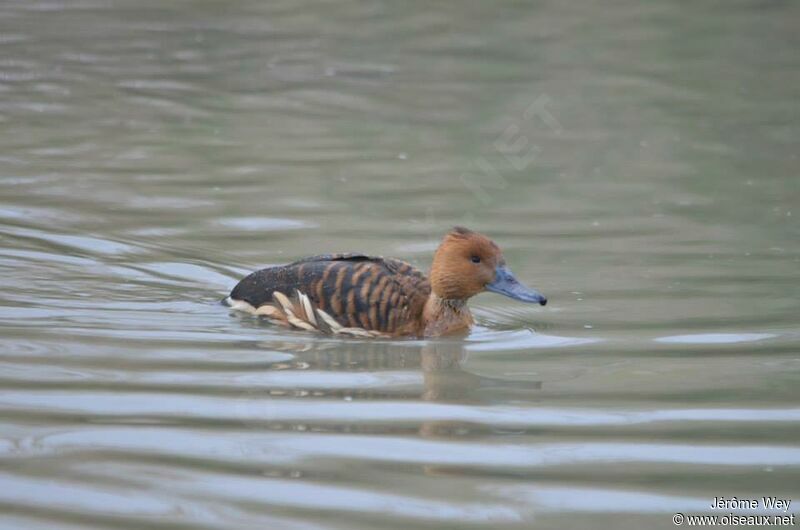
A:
(359, 295)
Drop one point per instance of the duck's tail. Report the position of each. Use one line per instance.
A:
(299, 313)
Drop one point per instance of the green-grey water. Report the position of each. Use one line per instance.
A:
(637, 161)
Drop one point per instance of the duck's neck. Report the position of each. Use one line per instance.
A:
(445, 315)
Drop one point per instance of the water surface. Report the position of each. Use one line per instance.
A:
(638, 163)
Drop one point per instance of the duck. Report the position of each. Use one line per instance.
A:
(353, 294)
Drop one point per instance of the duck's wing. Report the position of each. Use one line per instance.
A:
(338, 293)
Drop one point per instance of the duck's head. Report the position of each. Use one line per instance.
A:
(467, 263)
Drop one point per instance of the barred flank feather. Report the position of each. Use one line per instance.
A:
(337, 294)
(299, 313)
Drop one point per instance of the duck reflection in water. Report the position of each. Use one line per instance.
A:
(431, 371)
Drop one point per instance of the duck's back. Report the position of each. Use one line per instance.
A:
(372, 293)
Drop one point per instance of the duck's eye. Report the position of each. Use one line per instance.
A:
(475, 259)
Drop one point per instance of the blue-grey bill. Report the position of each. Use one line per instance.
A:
(506, 284)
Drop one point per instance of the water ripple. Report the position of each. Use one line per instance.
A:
(248, 408)
(250, 448)
(715, 338)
